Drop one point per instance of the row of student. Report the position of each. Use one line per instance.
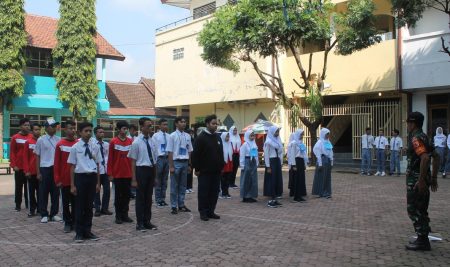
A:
(382, 146)
(297, 161)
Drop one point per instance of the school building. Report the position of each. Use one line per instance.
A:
(425, 69)
(361, 89)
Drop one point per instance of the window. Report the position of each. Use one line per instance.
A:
(39, 62)
(204, 10)
(228, 121)
(178, 53)
(14, 119)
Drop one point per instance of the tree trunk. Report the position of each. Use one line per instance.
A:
(312, 127)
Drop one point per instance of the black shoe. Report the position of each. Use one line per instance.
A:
(184, 209)
(97, 213)
(67, 228)
(246, 200)
(302, 199)
(150, 226)
(421, 243)
(141, 228)
(17, 208)
(277, 203)
(78, 239)
(127, 219)
(271, 204)
(31, 214)
(118, 221)
(91, 236)
(214, 216)
(174, 211)
(204, 218)
(164, 203)
(252, 200)
(295, 200)
(106, 212)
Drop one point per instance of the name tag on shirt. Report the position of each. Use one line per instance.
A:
(65, 148)
(182, 151)
(21, 141)
(163, 148)
(253, 152)
(32, 146)
(121, 148)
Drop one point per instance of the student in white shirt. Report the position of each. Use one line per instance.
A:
(367, 142)
(298, 160)
(180, 148)
(396, 146)
(45, 155)
(439, 144)
(162, 163)
(381, 143)
(447, 164)
(323, 150)
(273, 156)
(102, 204)
(143, 160)
(235, 140)
(84, 158)
(248, 162)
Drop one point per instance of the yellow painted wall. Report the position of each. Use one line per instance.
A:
(243, 114)
(190, 80)
(369, 70)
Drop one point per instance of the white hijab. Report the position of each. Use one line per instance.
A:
(273, 141)
(251, 143)
(235, 139)
(227, 149)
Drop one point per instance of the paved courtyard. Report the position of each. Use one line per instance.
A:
(365, 224)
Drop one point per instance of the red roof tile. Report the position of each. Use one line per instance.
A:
(42, 34)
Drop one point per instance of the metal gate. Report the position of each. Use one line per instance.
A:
(376, 115)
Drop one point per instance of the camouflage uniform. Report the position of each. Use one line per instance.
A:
(417, 204)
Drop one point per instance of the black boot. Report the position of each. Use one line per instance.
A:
(421, 243)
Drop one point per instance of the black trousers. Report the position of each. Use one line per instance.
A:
(103, 204)
(235, 168)
(68, 202)
(21, 188)
(47, 186)
(208, 193)
(190, 179)
(33, 193)
(122, 187)
(225, 182)
(145, 178)
(85, 184)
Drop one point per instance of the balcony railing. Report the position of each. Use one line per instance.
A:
(197, 15)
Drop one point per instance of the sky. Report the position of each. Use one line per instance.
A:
(129, 25)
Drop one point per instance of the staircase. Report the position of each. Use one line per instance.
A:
(344, 162)
(337, 126)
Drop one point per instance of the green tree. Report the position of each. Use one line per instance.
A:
(13, 40)
(267, 28)
(408, 12)
(75, 57)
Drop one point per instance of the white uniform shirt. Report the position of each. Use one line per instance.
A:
(270, 152)
(179, 143)
(82, 162)
(439, 141)
(45, 149)
(381, 142)
(103, 162)
(396, 143)
(448, 141)
(160, 139)
(367, 141)
(139, 152)
(320, 150)
(295, 152)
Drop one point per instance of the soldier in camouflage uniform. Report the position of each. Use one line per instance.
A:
(419, 179)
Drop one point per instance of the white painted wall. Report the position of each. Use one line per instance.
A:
(419, 103)
(423, 65)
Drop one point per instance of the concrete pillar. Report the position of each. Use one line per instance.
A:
(103, 70)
